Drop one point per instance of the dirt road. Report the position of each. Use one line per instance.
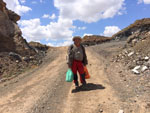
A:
(44, 90)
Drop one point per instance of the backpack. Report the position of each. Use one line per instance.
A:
(70, 55)
(81, 46)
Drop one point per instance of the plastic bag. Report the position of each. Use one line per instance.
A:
(87, 76)
(69, 75)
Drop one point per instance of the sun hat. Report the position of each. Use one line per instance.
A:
(76, 37)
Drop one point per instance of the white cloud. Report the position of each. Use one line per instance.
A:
(64, 43)
(144, 1)
(87, 34)
(110, 30)
(50, 44)
(45, 16)
(34, 31)
(87, 10)
(69, 11)
(81, 28)
(16, 7)
(53, 16)
(22, 1)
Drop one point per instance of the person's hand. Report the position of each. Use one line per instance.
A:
(69, 66)
(85, 64)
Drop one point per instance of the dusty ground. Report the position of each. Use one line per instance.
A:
(44, 90)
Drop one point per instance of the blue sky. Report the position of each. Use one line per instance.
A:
(55, 22)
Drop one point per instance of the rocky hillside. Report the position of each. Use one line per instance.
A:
(137, 29)
(39, 46)
(16, 55)
(136, 53)
(10, 34)
(94, 39)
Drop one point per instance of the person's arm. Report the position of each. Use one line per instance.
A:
(69, 56)
(85, 61)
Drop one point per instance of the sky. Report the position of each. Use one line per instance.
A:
(56, 22)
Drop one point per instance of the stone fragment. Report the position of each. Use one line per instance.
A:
(146, 58)
(135, 70)
(101, 110)
(121, 111)
(131, 53)
(137, 67)
(15, 55)
(144, 68)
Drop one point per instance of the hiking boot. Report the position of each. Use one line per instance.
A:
(84, 83)
(77, 84)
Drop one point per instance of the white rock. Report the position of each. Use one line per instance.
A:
(144, 68)
(137, 67)
(17, 61)
(121, 111)
(146, 58)
(131, 53)
(135, 70)
(125, 51)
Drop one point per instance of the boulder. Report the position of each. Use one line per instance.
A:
(10, 34)
(15, 56)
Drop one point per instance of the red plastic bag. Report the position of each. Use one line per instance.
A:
(87, 76)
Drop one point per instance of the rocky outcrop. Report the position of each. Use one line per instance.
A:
(11, 39)
(136, 52)
(94, 39)
(39, 46)
(137, 29)
(16, 55)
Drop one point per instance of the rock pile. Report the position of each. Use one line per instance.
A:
(136, 52)
(136, 62)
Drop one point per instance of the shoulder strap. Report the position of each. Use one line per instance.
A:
(83, 48)
(71, 46)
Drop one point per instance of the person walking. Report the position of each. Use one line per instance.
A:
(77, 59)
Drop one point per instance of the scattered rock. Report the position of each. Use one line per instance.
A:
(32, 57)
(101, 110)
(15, 55)
(146, 58)
(121, 111)
(144, 68)
(25, 59)
(130, 54)
(17, 61)
(135, 70)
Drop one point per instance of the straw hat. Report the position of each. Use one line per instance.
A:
(76, 37)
